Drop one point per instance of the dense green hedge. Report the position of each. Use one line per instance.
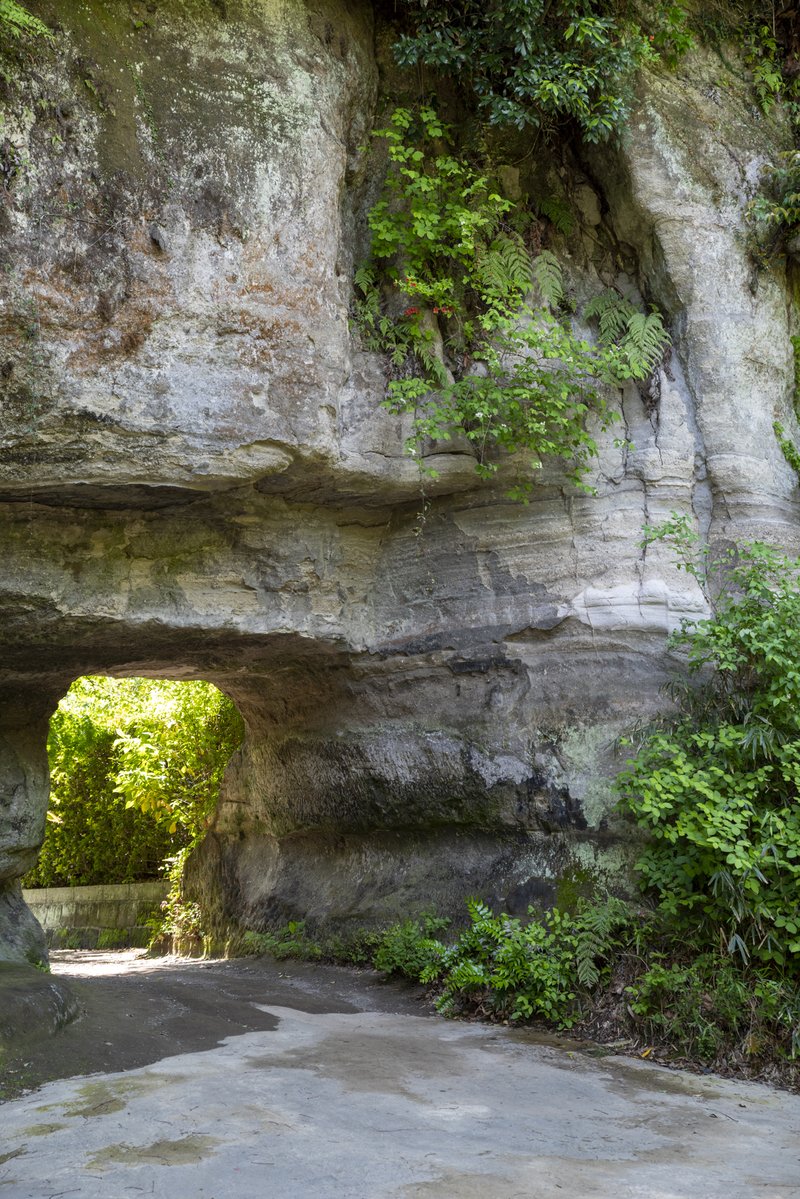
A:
(136, 766)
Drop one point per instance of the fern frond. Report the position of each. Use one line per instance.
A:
(504, 267)
(549, 278)
(364, 277)
(516, 259)
(16, 20)
(490, 273)
(467, 976)
(596, 937)
(558, 213)
(478, 910)
(644, 342)
(432, 365)
(640, 336)
(586, 967)
(612, 312)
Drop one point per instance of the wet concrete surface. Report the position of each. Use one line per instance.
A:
(136, 1010)
(253, 1079)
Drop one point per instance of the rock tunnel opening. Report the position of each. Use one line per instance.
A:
(369, 786)
(136, 765)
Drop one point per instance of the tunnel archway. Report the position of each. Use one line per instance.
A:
(369, 785)
(136, 766)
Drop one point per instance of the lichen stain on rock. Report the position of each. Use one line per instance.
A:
(182, 1152)
(6, 1157)
(41, 1130)
(104, 1098)
(100, 1107)
(467, 1186)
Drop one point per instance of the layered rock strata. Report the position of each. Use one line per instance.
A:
(197, 478)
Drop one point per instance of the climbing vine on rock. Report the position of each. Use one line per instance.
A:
(477, 327)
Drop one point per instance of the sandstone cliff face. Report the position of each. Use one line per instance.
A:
(197, 479)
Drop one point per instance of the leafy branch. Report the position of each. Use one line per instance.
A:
(534, 63)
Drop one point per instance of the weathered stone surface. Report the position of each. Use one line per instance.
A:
(690, 161)
(23, 939)
(197, 479)
(24, 712)
(33, 1004)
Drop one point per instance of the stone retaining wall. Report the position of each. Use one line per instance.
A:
(97, 917)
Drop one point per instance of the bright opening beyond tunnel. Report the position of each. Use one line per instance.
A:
(135, 771)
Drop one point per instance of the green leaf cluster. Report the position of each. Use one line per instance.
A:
(766, 55)
(476, 328)
(16, 21)
(135, 767)
(535, 63)
(788, 447)
(718, 789)
(775, 213)
(511, 968)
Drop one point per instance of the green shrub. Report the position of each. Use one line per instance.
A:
(533, 63)
(354, 948)
(410, 948)
(179, 918)
(510, 968)
(114, 938)
(717, 789)
(518, 969)
(708, 1007)
(291, 941)
(608, 967)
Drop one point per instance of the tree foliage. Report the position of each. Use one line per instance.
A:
(136, 766)
(536, 63)
(532, 63)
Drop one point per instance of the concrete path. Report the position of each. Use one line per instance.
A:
(346, 1090)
